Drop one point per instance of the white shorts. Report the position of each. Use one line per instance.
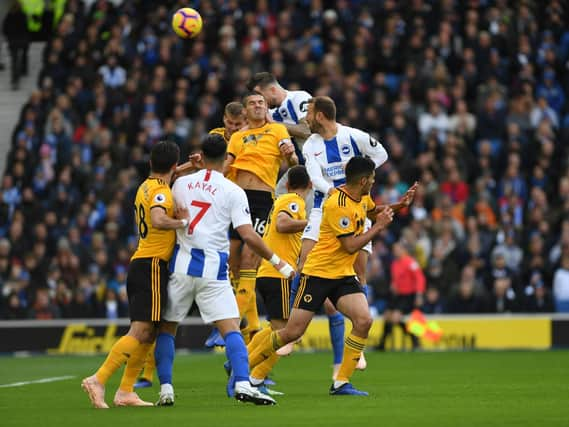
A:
(214, 298)
(312, 230)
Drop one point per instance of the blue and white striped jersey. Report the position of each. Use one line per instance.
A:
(214, 202)
(327, 159)
(292, 109)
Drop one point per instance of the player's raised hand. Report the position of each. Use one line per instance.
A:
(409, 195)
(286, 147)
(196, 160)
(384, 218)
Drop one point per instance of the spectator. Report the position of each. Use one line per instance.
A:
(43, 307)
(561, 286)
(15, 28)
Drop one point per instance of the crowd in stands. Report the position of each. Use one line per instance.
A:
(468, 96)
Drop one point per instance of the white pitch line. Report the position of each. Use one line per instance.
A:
(40, 381)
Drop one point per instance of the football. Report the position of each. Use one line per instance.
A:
(187, 23)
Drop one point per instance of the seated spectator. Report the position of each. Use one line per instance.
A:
(467, 296)
(561, 286)
(43, 306)
(537, 298)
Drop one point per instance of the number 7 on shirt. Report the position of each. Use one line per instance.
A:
(203, 207)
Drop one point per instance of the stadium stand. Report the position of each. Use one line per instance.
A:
(467, 96)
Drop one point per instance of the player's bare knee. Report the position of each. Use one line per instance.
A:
(362, 323)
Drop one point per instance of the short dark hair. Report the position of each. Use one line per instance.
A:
(324, 105)
(262, 79)
(233, 109)
(249, 94)
(298, 178)
(163, 156)
(359, 167)
(214, 147)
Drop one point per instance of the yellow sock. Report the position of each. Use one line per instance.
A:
(253, 315)
(246, 332)
(263, 369)
(258, 339)
(234, 281)
(266, 347)
(353, 348)
(245, 290)
(133, 366)
(149, 364)
(120, 352)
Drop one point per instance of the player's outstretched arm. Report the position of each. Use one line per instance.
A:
(162, 221)
(194, 163)
(251, 238)
(353, 243)
(404, 202)
(286, 224)
(300, 130)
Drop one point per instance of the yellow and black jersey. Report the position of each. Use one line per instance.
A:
(231, 174)
(341, 216)
(285, 245)
(219, 131)
(257, 151)
(153, 243)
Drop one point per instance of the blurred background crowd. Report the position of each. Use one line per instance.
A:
(468, 96)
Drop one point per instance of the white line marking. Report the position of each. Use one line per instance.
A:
(40, 381)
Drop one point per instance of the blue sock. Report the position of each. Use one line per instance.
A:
(294, 289)
(366, 290)
(336, 324)
(236, 353)
(164, 354)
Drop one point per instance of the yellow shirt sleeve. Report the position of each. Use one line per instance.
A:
(291, 207)
(161, 196)
(370, 203)
(235, 144)
(341, 220)
(281, 133)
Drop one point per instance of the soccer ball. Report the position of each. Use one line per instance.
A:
(187, 23)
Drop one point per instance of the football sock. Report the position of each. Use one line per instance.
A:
(263, 369)
(120, 352)
(258, 338)
(245, 290)
(266, 347)
(352, 351)
(164, 354)
(336, 325)
(236, 353)
(253, 314)
(133, 366)
(149, 364)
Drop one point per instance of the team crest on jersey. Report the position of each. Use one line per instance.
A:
(293, 207)
(345, 149)
(307, 298)
(159, 198)
(344, 222)
(250, 139)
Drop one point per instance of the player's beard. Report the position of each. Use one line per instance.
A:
(315, 127)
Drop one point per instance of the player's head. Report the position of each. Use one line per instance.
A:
(233, 117)
(164, 157)
(266, 84)
(298, 179)
(213, 148)
(360, 172)
(321, 110)
(255, 106)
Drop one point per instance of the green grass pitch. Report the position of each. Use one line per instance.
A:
(406, 389)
